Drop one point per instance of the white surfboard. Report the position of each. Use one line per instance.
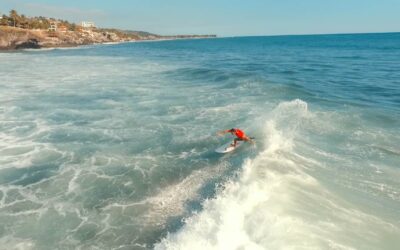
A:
(226, 148)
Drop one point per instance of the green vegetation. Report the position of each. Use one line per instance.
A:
(21, 21)
(19, 31)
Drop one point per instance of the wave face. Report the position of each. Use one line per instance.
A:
(294, 195)
(112, 146)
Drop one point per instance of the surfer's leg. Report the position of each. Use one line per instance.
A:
(235, 141)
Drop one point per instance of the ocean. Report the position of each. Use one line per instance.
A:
(112, 146)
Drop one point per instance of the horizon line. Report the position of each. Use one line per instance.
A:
(313, 34)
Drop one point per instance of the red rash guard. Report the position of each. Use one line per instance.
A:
(239, 133)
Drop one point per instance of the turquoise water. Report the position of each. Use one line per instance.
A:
(112, 146)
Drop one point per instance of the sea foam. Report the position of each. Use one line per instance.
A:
(275, 202)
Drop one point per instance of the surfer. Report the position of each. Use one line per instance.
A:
(240, 135)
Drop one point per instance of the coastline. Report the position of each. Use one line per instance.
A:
(15, 39)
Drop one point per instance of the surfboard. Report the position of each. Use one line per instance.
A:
(226, 148)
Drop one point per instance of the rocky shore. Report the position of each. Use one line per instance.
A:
(12, 38)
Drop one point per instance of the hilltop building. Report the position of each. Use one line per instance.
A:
(62, 28)
(56, 26)
(88, 25)
(53, 27)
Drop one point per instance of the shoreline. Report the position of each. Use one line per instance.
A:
(65, 47)
(14, 39)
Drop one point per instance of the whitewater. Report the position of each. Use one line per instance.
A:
(112, 146)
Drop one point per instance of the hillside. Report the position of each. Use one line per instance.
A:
(21, 32)
(17, 38)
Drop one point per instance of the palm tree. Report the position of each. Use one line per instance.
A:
(14, 16)
(24, 22)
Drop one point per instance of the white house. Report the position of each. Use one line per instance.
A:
(53, 26)
(88, 25)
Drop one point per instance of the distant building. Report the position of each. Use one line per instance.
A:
(88, 25)
(53, 26)
(62, 28)
(79, 28)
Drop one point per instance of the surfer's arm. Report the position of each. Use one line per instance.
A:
(222, 132)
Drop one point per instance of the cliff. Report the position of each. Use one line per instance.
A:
(12, 38)
(17, 38)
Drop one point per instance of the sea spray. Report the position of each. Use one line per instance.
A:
(276, 203)
(242, 214)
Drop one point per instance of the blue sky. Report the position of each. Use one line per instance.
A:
(223, 17)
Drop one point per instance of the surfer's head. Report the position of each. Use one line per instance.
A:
(232, 130)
